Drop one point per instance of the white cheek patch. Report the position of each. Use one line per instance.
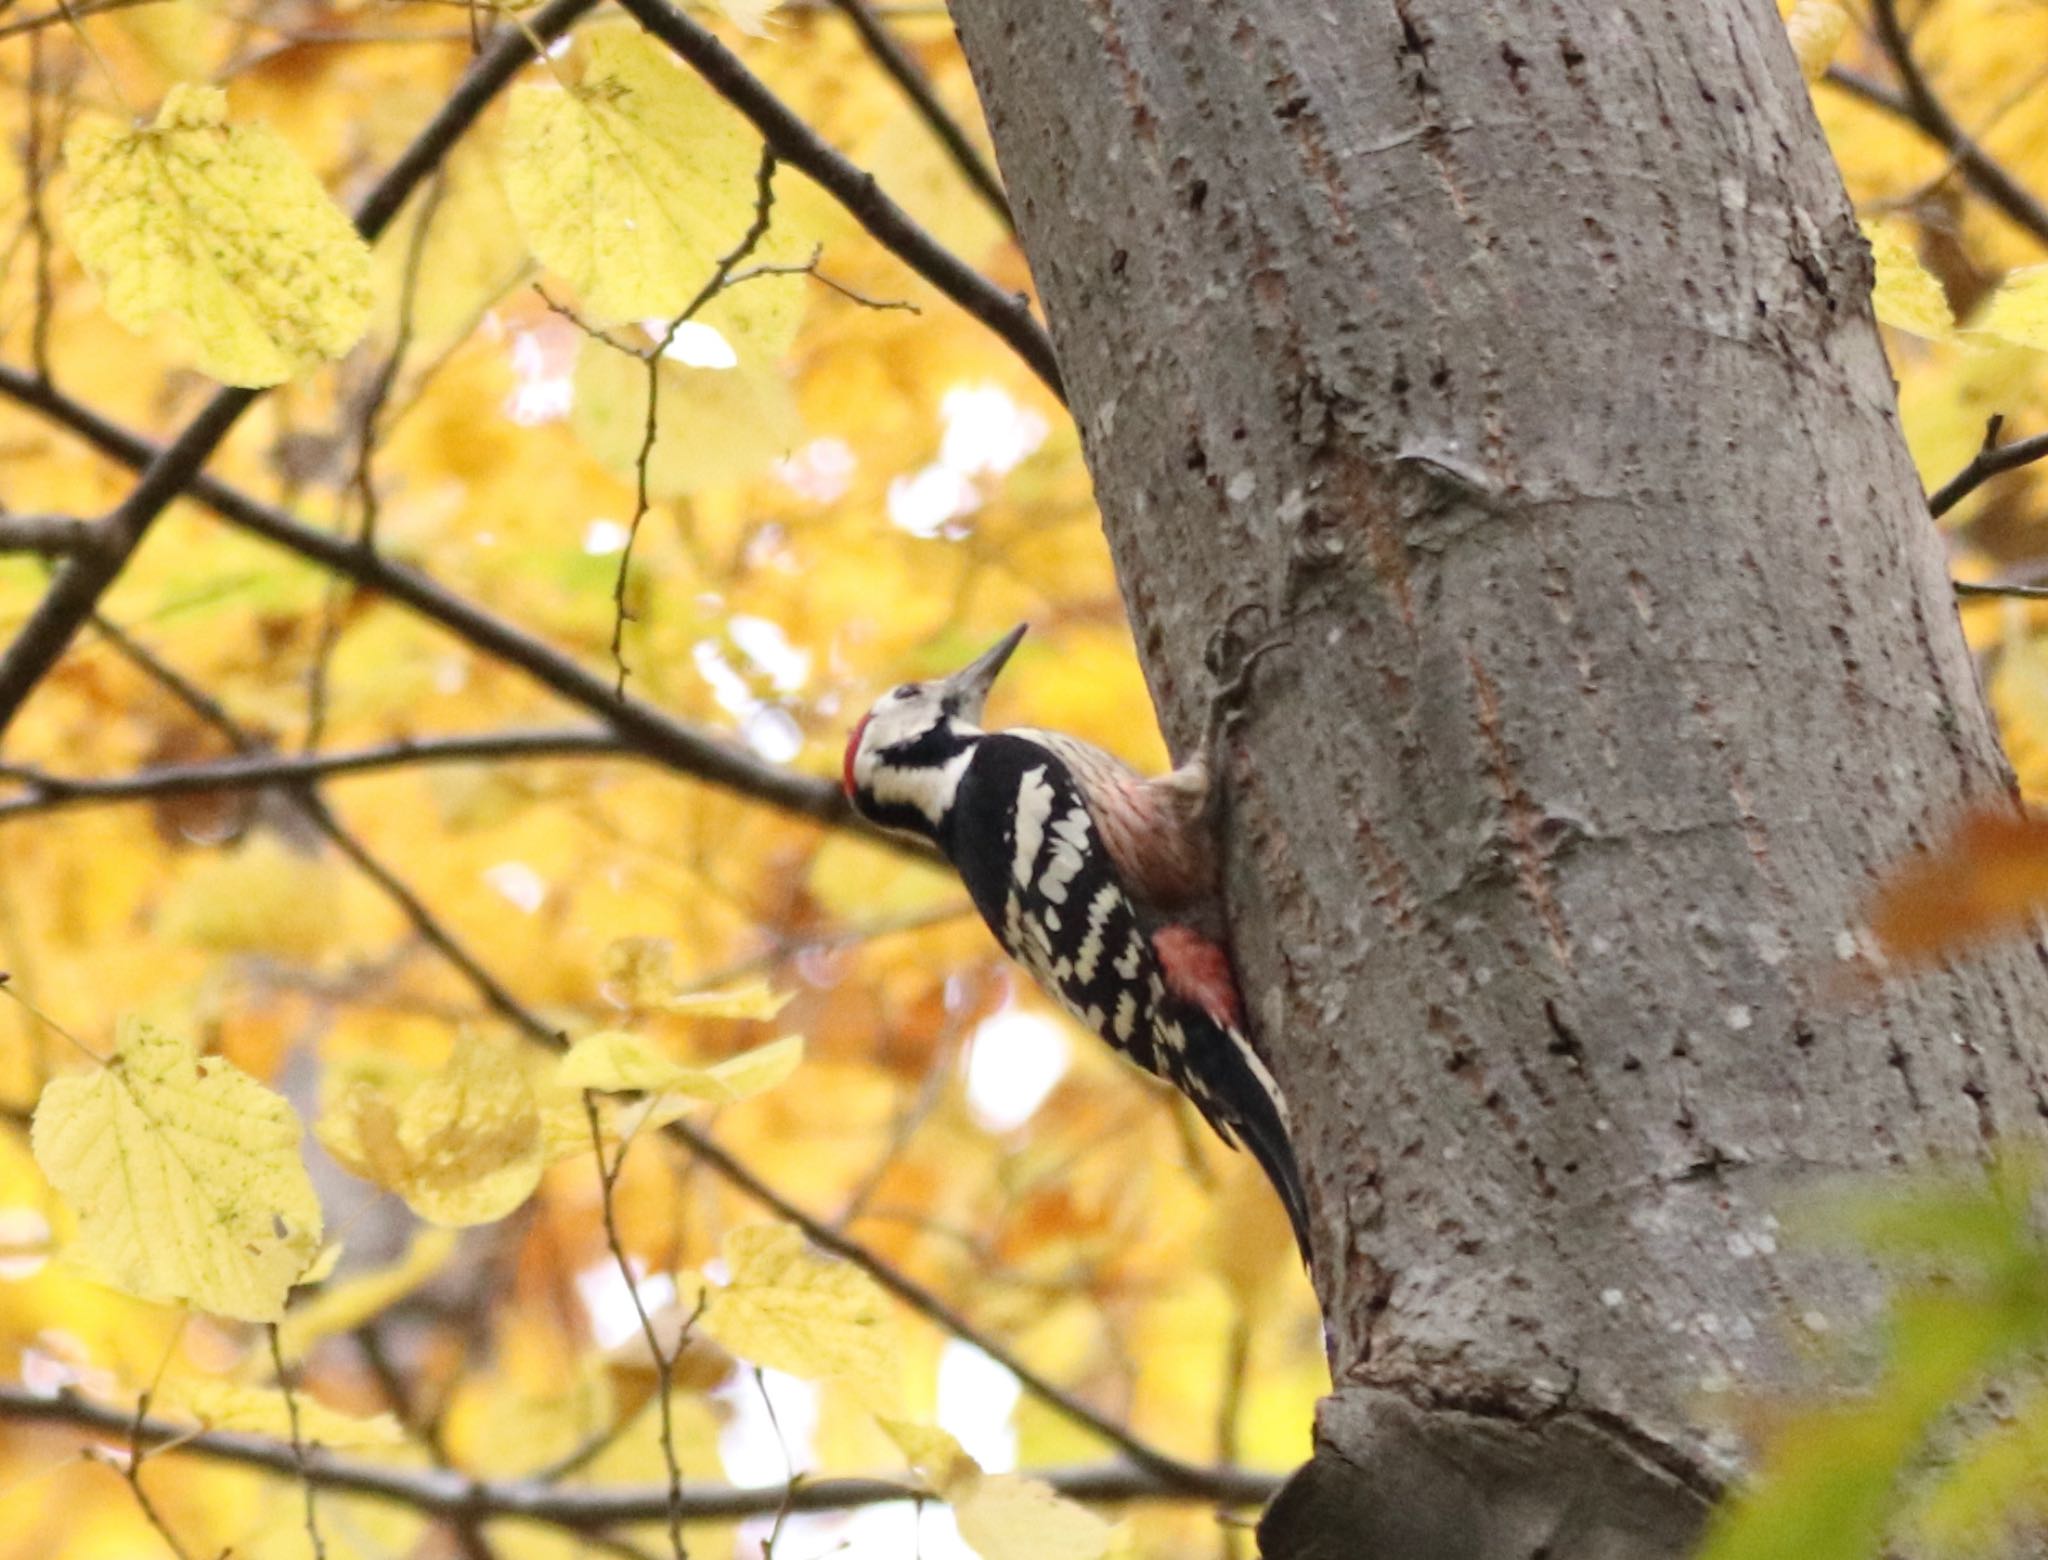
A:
(930, 791)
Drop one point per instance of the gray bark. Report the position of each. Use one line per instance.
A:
(1517, 360)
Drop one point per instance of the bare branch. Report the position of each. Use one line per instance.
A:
(1992, 459)
(903, 70)
(54, 536)
(1919, 106)
(450, 1495)
(76, 592)
(640, 726)
(1988, 589)
(797, 144)
(44, 792)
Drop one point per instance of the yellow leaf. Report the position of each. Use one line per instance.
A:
(260, 897)
(1816, 28)
(759, 1070)
(462, 1146)
(2018, 311)
(220, 234)
(1007, 1517)
(470, 256)
(185, 1176)
(348, 1305)
(714, 426)
(225, 1405)
(754, 999)
(940, 1459)
(787, 1307)
(637, 971)
(633, 183)
(615, 1062)
(1906, 297)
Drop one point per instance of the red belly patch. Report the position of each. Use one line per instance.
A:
(1198, 971)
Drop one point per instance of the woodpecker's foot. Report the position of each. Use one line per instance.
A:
(1233, 654)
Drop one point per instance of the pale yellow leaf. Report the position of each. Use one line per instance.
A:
(2018, 311)
(185, 1176)
(788, 1307)
(753, 999)
(438, 285)
(714, 426)
(638, 971)
(462, 1146)
(349, 1304)
(220, 235)
(940, 1459)
(1816, 28)
(631, 184)
(214, 1404)
(613, 1061)
(1906, 296)
(1008, 1517)
(759, 1070)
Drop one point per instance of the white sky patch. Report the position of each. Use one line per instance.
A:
(773, 734)
(769, 648)
(609, 1303)
(977, 1402)
(987, 433)
(747, 1443)
(696, 345)
(545, 371)
(1015, 1060)
(927, 502)
(519, 883)
(602, 538)
(767, 728)
(896, 1531)
(821, 470)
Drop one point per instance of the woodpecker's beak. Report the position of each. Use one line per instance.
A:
(967, 689)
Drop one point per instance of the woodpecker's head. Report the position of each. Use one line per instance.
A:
(905, 758)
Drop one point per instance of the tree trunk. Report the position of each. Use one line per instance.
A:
(1517, 361)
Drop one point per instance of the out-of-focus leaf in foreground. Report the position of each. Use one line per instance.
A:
(185, 1175)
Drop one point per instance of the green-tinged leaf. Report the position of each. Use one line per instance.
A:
(219, 234)
(185, 1175)
(1992, 1488)
(613, 1061)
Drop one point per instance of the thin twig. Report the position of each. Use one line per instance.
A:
(53, 536)
(895, 60)
(1992, 459)
(81, 583)
(664, 1362)
(1919, 105)
(1981, 588)
(298, 1443)
(639, 725)
(721, 278)
(796, 143)
(444, 1493)
(44, 792)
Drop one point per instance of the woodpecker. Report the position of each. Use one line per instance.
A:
(1100, 882)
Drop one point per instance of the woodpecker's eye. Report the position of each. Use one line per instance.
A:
(907, 690)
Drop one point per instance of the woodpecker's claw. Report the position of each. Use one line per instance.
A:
(1231, 661)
